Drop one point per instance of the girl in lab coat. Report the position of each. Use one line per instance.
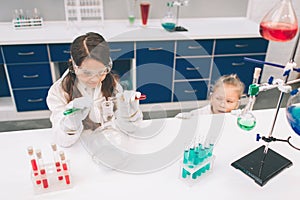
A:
(224, 98)
(75, 99)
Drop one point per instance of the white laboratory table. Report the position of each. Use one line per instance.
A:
(93, 181)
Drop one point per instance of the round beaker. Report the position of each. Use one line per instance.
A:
(280, 23)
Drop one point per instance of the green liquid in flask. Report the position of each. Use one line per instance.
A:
(246, 123)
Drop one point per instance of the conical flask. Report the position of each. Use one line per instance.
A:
(280, 23)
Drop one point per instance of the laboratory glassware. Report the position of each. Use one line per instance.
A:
(280, 23)
(131, 6)
(293, 111)
(179, 3)
(246, 120)
(168, 22)
(145, 8)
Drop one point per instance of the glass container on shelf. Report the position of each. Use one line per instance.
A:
(168, 22)
(280, 23)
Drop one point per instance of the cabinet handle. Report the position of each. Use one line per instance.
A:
(31, 76)
(190, 91)
(35, 100)
(194, 47)
(155, 49)
(241, 45)
(116, 50)
(192, 68)
(26, 53)
(238, 64)
(66, 51)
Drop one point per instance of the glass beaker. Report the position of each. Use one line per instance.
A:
(168, 22)
(145, 8)
(131, 6)
(280, 23)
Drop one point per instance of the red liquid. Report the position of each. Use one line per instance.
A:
(145, 12)
(45, 181)
(279, 32)
(34, 165)
(58, 170)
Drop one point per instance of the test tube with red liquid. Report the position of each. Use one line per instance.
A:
(42, 168)
(57, 161)
(34, 165)
(65, 167)
(145, 7)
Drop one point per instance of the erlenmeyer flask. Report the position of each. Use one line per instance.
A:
(280, 24)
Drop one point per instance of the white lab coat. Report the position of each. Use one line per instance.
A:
(57, 102)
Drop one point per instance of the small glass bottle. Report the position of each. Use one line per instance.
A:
(280, 23)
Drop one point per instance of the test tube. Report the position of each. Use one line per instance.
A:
(185, 173)
(33, 164)
(41, 166)
(64, 166)
(56, 161)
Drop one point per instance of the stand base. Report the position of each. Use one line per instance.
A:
(180, 28)
(262, 167)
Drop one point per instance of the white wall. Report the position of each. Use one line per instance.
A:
(278, 52)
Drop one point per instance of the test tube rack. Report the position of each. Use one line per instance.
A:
(50, 177)
(197, 162)
(84, 10)
(27, 23)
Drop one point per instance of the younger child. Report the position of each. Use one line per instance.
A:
(224, 98)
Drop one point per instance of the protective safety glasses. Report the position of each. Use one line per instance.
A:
(92, 73)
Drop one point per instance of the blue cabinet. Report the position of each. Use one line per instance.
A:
(190, 90)
(154, 70)
(25, 53)
(229, 58)
(121, 50)
(29, 73)
(192, 69)
(60, 52)
(194, 48)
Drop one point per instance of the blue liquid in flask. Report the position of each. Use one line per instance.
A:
(293, 117)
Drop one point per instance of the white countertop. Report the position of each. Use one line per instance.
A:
(92, 181)
(120, 30)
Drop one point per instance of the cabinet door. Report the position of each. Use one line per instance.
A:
(59, 52)
(30, 100)
(192, 68)
(241, 46)
(194, 48)
(29, 75)
(25, 53)
(121, 50)
(154, 70)
(236, 65)
(190, 90)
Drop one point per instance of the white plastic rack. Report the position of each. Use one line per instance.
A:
(84, 10)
